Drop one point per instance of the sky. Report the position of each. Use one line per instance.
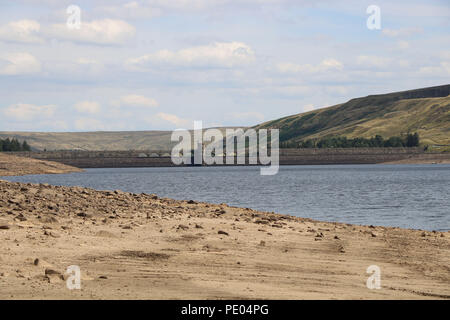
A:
(161, 64)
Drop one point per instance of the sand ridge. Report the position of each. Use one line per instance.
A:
(11, 165)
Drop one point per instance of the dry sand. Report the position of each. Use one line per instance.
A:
(17, 166)
(145, 247)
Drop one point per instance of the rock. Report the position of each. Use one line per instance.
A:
(51, 234)
(49, 271)
(103, 277)
(53, 276)
(105, 234)
(20, 217)
(84, 215)
(223, 232)
(49, 220)
(4, 227)
(336, 237)
(373, 234)
(262, 243)
(198, 226)
(182, 227)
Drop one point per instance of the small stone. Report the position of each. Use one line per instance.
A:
(223, 232)
(51, 234)
(4, 227)
(84, 215)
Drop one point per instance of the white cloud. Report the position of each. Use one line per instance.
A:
(441, 70)
(131, 10)
(134, 100)
(91, 107)
(251, 115)
(308, 107)
(174, 120)
(218, 54)
(103, 32)
(88, 124)
(27, 112)
(404, 32)
(19, 63)
(373, 61)
(292, 90)
(403, 45)
(325, 65)
(24, 31)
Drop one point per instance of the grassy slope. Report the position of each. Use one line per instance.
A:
(426, 111)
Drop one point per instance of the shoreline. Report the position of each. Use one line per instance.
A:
(141, 246)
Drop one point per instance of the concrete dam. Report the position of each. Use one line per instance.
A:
(162, 158)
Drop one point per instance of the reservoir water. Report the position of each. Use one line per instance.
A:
(409, 196)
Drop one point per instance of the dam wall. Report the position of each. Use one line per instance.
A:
(161, 158)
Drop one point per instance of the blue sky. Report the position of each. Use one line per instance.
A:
(161, 64)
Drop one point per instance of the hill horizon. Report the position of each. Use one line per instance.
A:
(423, 110)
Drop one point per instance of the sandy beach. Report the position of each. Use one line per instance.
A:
(140, 246)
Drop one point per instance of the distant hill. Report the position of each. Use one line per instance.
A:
(426, 111)
(96, 141)
(132, 140)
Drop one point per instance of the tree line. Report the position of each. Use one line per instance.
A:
(13, 145)
(407, 141)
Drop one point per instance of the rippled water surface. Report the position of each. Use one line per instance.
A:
(412, 196)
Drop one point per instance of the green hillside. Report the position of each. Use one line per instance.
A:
(426, 111)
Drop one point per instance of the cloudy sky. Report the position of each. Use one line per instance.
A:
(161, 64)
